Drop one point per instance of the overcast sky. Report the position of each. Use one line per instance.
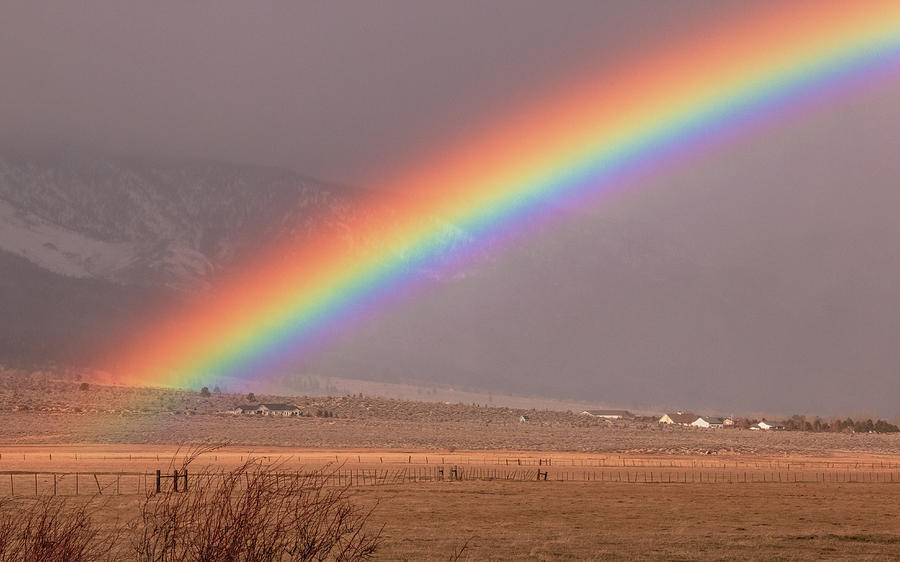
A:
(344, 91)
(763, 276)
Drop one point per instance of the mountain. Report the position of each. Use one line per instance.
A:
(698, 291)
(153, 223)
(86, 240)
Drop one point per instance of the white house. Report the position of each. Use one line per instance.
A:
(771, 426)
(245, 409)
(609, 414)
(285, 410)
(708, 422)
(678, 418)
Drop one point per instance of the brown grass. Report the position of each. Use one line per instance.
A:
(254, 511)
(52, 528)
(574, 521)
(592, 521)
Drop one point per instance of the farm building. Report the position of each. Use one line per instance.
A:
(609, 414)
(279, 410)
(771, 426)
(708, 422)
(678, 418)
(245, 409)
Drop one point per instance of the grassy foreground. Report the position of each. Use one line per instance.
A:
(495, 520)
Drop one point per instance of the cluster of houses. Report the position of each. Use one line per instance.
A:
(693, 420)
(285, 410)
(686, 419)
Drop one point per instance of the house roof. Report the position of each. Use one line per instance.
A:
(246, 407)
(623, 413)
(280, 406)
(772, 423)
(682, 417)
(711, 420)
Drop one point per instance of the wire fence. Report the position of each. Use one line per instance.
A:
(31, 483)
(693, 462)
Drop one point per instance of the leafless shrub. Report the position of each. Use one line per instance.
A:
(258, 511)
(51, 529)
(458, 552)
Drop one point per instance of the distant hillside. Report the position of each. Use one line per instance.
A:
(85, 240)
(153, 223)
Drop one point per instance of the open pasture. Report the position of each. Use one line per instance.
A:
(486, 514)
(118, 469)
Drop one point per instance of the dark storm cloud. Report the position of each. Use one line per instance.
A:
(341, 90)
(762, 277)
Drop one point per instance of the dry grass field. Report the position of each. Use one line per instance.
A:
(614, 490)
(581, 521)
(564, 517)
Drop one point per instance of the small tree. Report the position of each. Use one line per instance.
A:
(216, 389)
(84, 386)
(251, 397)
(204, 392)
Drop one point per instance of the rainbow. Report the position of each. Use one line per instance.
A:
(648, 114)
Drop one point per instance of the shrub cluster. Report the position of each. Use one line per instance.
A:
(258, 512)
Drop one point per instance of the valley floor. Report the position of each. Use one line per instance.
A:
(558, 432)
(715, 517)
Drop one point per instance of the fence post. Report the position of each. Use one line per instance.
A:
(185, 480)
(175, 481)
(54, 483)
(158, 479)
(35, 484)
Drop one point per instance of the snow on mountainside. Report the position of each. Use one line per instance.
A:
(161, 223)
(59, 249)
(86, 239)
(150, 223)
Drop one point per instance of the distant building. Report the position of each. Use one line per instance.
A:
(279, 410)
(678, 418)
(708, 422)
(771, 426)
(524, 419)
(609, 414)
(245, 409)
(728, 422)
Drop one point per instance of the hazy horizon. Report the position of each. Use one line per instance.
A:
(764, 276)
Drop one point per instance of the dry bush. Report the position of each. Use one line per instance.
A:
(258, 511)
(51, 529)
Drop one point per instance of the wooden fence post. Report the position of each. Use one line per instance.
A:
(158, 480)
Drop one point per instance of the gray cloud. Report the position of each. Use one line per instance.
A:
(340, 90)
